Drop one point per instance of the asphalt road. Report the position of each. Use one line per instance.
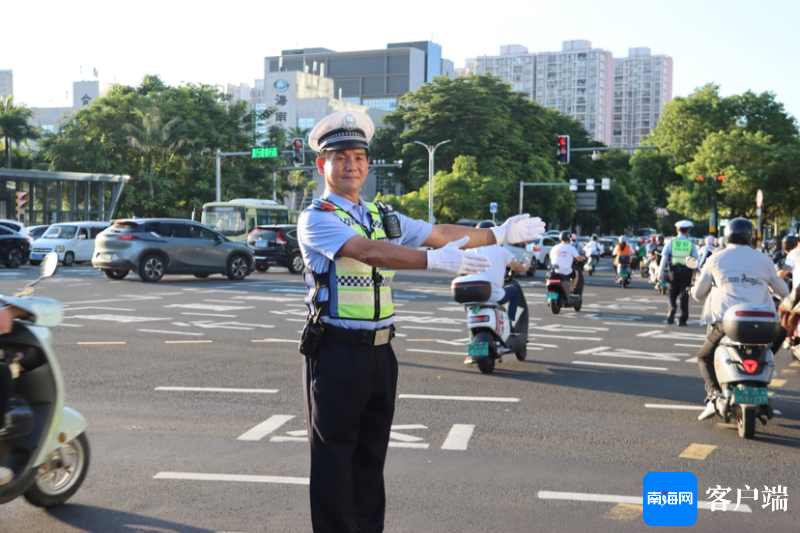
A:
(192, 390)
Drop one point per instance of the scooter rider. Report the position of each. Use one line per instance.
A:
(562, 257)
(705, 251)
(500, 259)
(738, 274)
(592, 248)
(674, 271)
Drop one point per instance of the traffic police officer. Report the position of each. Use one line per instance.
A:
(351, 249)
(673, 269)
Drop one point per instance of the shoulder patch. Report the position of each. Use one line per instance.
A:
(322, 205)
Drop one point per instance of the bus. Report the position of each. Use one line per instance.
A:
(237, 218)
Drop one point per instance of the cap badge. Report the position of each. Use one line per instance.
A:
(349, 122)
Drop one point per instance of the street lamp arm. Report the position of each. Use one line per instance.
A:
(431, 149)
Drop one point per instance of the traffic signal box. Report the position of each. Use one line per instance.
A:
(719, 179)
(298, 151)
(563, 149)
(22, 202)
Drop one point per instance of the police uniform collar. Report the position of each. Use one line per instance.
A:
(340, 202)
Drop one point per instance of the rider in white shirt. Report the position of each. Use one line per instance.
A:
(562, 257)
(592, 248)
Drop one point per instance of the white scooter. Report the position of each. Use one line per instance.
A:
(744, 365)
(45, 444)
(490, 330)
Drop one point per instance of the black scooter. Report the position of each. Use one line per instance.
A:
(558, 294)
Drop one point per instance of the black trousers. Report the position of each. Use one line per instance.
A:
(705, 356)
(350, 392)
(6, 384)
(677, 293)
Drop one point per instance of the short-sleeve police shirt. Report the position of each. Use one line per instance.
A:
(322, 234)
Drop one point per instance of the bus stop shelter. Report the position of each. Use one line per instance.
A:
(60, 196)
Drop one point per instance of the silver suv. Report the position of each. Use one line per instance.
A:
(152, 247)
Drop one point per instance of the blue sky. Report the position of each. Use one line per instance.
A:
(740, 45)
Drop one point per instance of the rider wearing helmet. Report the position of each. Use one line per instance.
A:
(673, 269)
(738, 274)
(787, 245)
(622, 248)
(562, 258)
(791, 261)
(704, 251)
(592, 248)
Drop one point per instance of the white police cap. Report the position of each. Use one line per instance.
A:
(342, 130)
(683, 224)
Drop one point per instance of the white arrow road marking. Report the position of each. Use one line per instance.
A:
(265, 428)
(405, 441)
(611, 498)
(573, 329)
(659, 334)
(459, 436)
(660, 369)
(608, 351)
(604, 316)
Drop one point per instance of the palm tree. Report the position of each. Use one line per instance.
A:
(299, 182)
(157, 143)
(14, 125)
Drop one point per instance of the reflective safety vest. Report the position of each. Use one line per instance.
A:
(357, 291)
(681, 249)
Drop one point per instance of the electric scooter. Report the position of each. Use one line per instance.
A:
(45, 445)
(623, 271)
(558, 295)
(492, 333)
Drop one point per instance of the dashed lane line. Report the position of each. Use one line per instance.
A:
(697, 451)
(196, 476)
(217, 389)
(458, 398)
(612, 498)
(778, 383)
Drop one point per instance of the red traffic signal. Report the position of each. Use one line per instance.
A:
(298, 151)
(700, 179)
(563, 149)
(721, 178)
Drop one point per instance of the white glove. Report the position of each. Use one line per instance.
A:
(519, 228)
(450, 259)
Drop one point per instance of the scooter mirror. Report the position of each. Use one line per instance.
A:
(691, 262)
(49, 265)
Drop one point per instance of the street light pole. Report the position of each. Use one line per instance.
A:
(431, 149)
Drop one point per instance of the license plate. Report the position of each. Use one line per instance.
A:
(37, 257)
(551, 296)
(750, 395)
(104, 257)
(623, 271)
(478, 349)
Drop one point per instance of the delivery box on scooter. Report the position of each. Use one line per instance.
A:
(467, 289)
(751, 324)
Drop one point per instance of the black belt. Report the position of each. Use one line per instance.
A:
(363, 337)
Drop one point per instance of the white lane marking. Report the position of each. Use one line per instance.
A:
(675, 406)
(608, 351)
(265, 428)
(118, 318)
(459, 436)
(542, 345)
(211, 314)
(417, 312)
(217, 389)
(660, 369)
(611, 498)
(689, 345)
(168, 332)
(295, 320)
(114, 300)
(430, 329)
(403, 437)
(280, 438)
(658, 334)
(209, 307)
(536, 335)
(570, 329)
(692, 359)
(275, 340)
(70, 325)
(432, 351)
(97, 307)
(458, 398)
(634, 325)
(196, 476)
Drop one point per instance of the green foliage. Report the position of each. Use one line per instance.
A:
(14, 126)
(165, 138)
(748, 138)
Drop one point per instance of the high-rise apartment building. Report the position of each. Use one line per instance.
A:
(374, 78)
(583, 82)
(642, 87)
(6, 83)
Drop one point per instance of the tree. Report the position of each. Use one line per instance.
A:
(14, 125)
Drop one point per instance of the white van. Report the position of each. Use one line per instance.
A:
(72, 241)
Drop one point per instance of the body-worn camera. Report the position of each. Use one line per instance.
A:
(311, 336)
(391, 222)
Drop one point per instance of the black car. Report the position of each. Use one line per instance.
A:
(276, 245)
(14, 248)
